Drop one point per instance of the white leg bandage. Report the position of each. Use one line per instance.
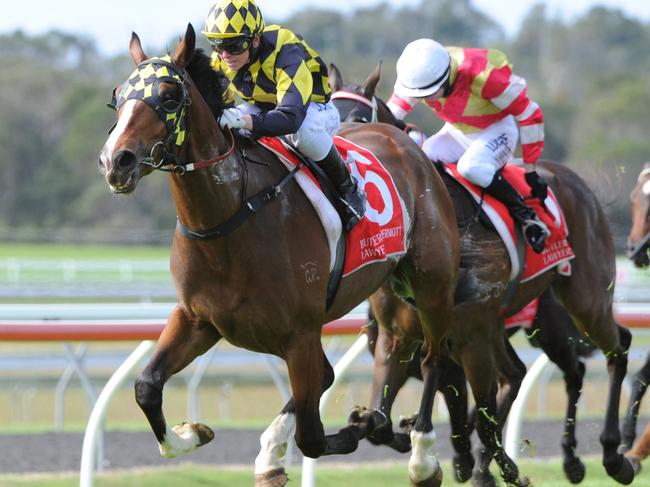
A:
(423, 462)
(273, 443)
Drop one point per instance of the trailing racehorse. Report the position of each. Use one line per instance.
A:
(483, 259)
(638, 246)
(254, 269)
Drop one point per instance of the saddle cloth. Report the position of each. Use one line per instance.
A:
(557, 252)
(525, 317)
(382, 233)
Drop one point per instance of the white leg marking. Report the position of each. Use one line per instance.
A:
(273, 443)
(127, 113)
(179, 440)
(423, 462)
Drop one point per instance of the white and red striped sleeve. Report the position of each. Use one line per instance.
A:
(400, 106)
(508, 91)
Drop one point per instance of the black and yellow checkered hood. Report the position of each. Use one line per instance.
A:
(233, 18)
(143, 85)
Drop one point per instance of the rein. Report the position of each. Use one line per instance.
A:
(143, 85)
(178, 167)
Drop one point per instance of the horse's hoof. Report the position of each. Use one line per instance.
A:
(434, 481)
(574, 470)
(367, 420)
(203, 432)
(463, 465)
(622, 470)
(407, 424)
(636, 465)
(273, 478)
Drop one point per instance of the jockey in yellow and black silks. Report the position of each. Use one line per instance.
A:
(283, 83)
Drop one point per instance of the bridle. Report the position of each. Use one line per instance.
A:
(367, 112)
(148, 76)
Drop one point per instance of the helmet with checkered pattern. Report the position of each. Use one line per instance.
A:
(229, 19)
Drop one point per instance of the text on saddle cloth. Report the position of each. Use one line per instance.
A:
(382, 233)
(557, 252)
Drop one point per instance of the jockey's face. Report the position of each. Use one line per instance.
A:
(437, 95)
(237, 61)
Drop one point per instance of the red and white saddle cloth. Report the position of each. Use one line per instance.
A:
(525, 317)
(382, 233)
(557, 253)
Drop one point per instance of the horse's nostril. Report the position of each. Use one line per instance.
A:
(124, 159)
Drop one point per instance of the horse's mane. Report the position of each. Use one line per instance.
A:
(210, 83)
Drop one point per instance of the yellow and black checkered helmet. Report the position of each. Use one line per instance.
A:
(233, 18)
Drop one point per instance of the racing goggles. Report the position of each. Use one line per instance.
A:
(234, 46)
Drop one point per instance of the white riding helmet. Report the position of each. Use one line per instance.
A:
(422, 69)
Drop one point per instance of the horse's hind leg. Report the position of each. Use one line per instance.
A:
(556, 334)
(182, 340)
(591, 309)
(639, 386)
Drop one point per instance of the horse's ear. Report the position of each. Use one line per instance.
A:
(185, 50)
(370, 84)
(334, 78)
(135, 48)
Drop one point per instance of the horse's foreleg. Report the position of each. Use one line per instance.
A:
(454, 388)
(308, 368)
(481, 369)
(639, 386)
(182, 340)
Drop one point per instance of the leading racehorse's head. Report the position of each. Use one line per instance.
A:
(638, 242)
(151, 110)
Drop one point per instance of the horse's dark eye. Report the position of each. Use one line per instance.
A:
(170, 103)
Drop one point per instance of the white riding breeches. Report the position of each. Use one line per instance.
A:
(479, 155)
(314, 137)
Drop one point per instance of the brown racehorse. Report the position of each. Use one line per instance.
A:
(638, 245)
(552, 330)
(247, 283)
(583, 214)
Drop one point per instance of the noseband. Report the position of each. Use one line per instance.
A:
(369, 107)
(144, 85)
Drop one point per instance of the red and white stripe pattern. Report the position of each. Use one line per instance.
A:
(479, 75)
(508, 91)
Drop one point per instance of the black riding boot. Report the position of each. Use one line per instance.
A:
(533, 228)
(352, 199)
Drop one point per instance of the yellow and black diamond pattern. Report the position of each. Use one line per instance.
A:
(285, 72)
(143, 85)
(234, 18)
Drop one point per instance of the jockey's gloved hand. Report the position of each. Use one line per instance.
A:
(538, 187)
(232, 118)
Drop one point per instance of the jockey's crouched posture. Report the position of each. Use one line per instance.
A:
(475, 92)
(284, 85)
